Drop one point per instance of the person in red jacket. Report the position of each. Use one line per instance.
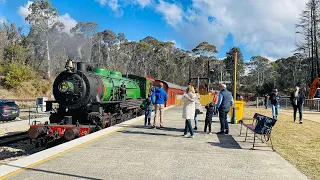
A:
(215, 101)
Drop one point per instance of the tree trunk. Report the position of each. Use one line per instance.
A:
(99, 52)
(312, 43)
(90, 50)
(315, 26)
(48, 58)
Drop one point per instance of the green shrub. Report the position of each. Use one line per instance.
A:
(16, 74)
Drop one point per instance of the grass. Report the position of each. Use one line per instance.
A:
(29, 89)
(297, 143)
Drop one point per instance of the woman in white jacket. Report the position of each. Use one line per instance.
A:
(189, 109)
(199, 107)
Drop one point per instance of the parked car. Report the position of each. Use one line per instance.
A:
(9, 110)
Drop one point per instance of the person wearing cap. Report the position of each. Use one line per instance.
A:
(297, 99)
(275, 103)
(161, 96)
(225, 100)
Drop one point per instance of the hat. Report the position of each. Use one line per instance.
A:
(275, 90)
(223, 85)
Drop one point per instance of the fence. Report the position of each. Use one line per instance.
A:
(309, 104)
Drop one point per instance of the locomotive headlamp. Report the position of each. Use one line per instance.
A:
(66, 87)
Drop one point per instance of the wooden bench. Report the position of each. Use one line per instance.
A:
(261, 125)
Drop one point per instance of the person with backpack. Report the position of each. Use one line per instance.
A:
(148, 110)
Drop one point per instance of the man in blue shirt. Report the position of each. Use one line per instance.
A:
(224, 102)
(161, 96)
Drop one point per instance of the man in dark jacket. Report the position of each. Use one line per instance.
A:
(297, 99)
(275, 103)
(225, 100)
(161, 96)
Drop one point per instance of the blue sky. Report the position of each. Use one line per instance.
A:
(186, 22)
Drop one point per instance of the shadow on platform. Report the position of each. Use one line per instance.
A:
(149, 133)
(52, 172)
(158, 128)
(226, 141)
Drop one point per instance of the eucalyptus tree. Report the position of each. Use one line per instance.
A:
(42, 18)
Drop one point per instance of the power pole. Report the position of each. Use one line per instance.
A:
(234, 87)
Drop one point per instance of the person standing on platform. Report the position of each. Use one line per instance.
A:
(215, 102)
(148, 110)
(266, 100)
(224, 102)
(209, 114)
(198, 109)
(189, 109)
(275, 103)
(297, 99)
(161, 96)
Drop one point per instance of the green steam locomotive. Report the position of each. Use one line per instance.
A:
(90, 99)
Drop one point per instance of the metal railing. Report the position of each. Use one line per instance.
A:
(309, 104)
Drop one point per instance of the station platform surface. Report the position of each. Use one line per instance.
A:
(138, 152)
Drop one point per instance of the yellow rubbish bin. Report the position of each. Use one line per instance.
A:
(239, 111)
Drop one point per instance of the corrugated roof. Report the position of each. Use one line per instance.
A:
(171, 85)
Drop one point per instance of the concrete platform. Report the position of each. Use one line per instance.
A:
(137, 152)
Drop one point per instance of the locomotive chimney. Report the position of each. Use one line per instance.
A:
(81, 66)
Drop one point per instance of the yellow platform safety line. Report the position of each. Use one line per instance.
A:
(76, 147)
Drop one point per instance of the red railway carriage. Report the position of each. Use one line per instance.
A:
(172, 89)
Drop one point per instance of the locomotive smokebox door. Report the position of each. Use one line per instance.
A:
(68, 120)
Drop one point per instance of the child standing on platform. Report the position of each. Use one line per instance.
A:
(148, 110)
(210, 111)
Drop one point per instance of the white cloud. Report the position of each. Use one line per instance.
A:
(68, 21)
(102, 2)
(176, 44)
(23, 11)
(171, 12)
(144, 3)
(263, 27)
(114, 5)
(2, 20)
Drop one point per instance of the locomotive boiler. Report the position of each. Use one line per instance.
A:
(89, 99)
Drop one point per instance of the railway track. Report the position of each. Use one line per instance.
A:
(9, 139)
